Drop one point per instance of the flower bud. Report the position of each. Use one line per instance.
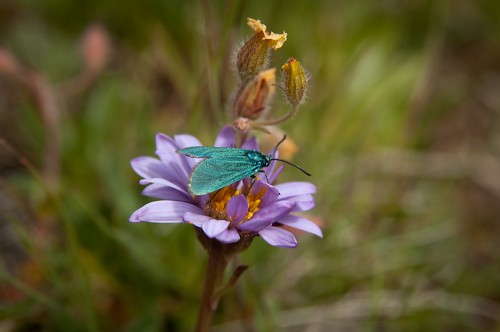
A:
(253, 56)
(241, 124)
(295, 81)
(8, 63)
(274, 40)
(252, 101)
(95, 48)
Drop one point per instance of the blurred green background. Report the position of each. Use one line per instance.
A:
(401, 132)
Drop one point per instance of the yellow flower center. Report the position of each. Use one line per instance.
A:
(217, 204)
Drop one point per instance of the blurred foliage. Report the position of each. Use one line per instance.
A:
(401, 132)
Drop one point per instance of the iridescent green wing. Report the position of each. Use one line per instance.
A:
(219, 171)
(211, 151)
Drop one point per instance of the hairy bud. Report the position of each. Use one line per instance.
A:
(253, 56)
(252, 101)
(294, 81)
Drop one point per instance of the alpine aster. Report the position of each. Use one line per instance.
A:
(230, 214)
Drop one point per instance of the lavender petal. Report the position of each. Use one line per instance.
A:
(226, 137)
(165, 144)
(278, 237)
(274, 173)
(196, 219)
(289, 189)
(184, 141)
(229, 236)
(266, 216)
(270, 196)
(149, 167)
(164, 182)
(237, 208)
(302, 224)
(250, 144)
(166, 149)
(214, 227)
(166, 193)
(163, 212)
(303, 202)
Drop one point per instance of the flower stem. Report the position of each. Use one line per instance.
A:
(213, 281)
(285, 117)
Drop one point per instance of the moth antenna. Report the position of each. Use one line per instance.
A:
(277, 145)
(296, 166)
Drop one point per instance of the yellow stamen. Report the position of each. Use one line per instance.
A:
(216, 208)
(218, 202)
(254, 202)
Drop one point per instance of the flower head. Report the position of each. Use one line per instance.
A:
(253, 56)
(274, 40)
(234, 213)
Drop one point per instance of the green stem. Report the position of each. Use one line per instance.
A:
(213, 281)
(285, 117)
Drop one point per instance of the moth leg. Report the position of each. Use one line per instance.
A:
(213, 196)
(265, 174)
(254, 178)
(251, 184)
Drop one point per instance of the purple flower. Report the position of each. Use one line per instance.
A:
(231, 213)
